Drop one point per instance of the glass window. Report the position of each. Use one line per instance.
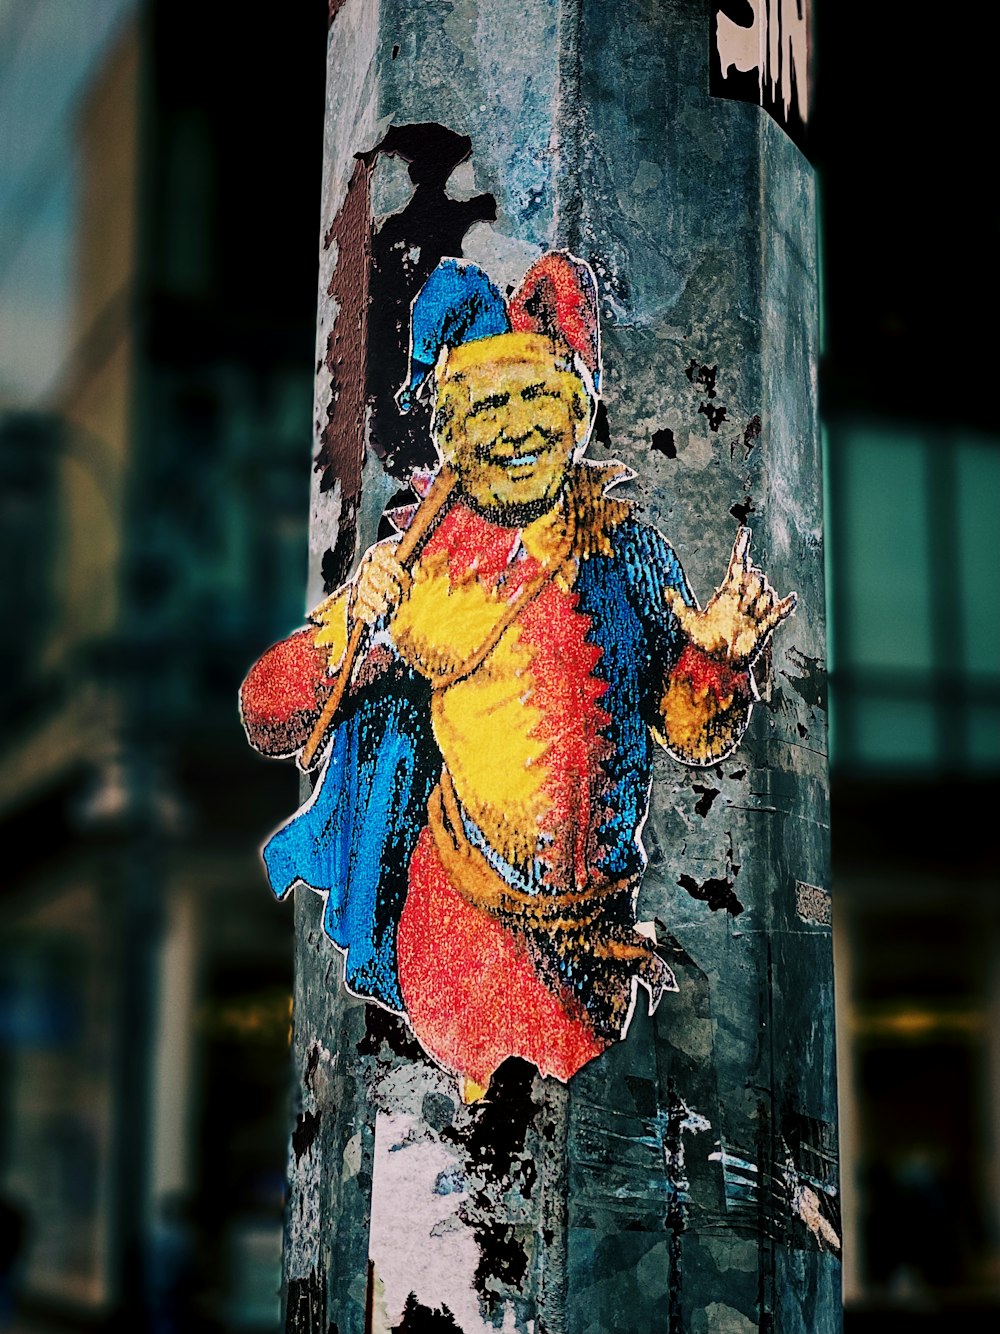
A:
(884, 552)
(48, 55)
(983, 736)
(892, 733)
(977, 487)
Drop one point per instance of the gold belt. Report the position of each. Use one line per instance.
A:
(574, 918)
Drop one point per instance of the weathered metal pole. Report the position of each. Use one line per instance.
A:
(683, 1180)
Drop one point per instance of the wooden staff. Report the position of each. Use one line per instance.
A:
(430, 510)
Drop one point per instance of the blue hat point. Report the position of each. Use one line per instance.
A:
(459, 303)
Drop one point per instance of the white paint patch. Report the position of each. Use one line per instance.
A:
(352, 1157)
(696, 454)
(462, 181)
(647, 178)
(504, 258)
(324, 519)
(737, 45)
(775, 44)
(418, 1241)
(724, 1319)
(805, 1203)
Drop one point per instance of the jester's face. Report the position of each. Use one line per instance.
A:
(510, 412)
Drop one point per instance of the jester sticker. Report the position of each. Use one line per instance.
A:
(482, 701)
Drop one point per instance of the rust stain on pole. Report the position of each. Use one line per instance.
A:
(342, 436)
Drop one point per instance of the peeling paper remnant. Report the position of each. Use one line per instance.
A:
(813, 904)
(421, 1250)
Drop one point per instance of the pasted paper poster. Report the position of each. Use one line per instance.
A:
(483, 700)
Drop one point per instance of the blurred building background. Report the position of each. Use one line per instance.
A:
(159, 198)
(913, 529)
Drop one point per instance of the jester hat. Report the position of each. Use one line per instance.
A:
(459, 306)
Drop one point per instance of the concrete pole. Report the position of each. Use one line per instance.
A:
(685, 1180)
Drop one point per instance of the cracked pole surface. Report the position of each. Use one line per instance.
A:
(685, 1181)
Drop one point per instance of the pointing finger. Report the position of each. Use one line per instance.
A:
(740, 559)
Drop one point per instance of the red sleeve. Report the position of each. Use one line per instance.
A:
(283, 694)
(706, 673)
(705, 707)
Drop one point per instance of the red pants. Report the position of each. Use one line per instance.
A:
(471, 993)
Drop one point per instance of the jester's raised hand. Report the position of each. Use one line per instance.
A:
(740, 616)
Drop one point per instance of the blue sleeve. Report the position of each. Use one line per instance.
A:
(650, 566)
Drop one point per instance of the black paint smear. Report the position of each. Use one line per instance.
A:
(802, 731)
(738, 774)
(312, 1064)
(663, 442)
(751, 434)
(306, 1305)
(811, 684)
(337, 559)
(304, 1134)
(804, 1153)
(494, 1148)
(495, 1140)
(675, 1319)
(715, 892)
(742, 512)
(404, 252)
(716, 415)
(502, 1255)
(674, 1154)
(529, 1175)
(404, 496)
(418, 1319)
(386, 528)
(703, 375)
(385, 1029)
(704, 803)
(643, 1093)
(812, 1146)
(602, 427)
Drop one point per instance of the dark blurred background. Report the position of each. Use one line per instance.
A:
(159, 206)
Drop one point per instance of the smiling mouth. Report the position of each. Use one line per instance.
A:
(539, 444)
(510, 462)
